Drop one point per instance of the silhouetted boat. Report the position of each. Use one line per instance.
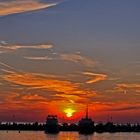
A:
(52, 124)
(86, 125)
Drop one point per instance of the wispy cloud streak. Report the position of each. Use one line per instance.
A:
(124, 87)
(7, 48)
(96, 77)
(38, 58)
(77, 58)
(19, 6)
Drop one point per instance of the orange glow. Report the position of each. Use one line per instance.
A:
(53, 94)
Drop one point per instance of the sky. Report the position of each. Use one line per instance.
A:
(57, 56)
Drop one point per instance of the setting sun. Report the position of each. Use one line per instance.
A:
(69, 112)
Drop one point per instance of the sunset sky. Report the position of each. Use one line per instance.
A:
(57, 56)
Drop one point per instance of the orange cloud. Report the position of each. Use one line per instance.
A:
(25, 107)
(43, 92)
(61, 88)
(113, 107)
(20, 6)
(33, 97)
(95, 77)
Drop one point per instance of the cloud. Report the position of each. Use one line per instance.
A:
(77, 58)
(125, 87)
(137, 62)
(3, 42)
(96, 77)
(60, 87)
(8, 7)
(33, 97)
(6, 48)
(71, 57)
(127, 108)
(38, 58)
(116, 106)
(123, 106)
(9, 68)
(21, 104)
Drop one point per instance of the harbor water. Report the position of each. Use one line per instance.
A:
(40, 135)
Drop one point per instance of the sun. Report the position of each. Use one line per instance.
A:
(69, 112)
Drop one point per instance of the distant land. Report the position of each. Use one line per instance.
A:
(99, 128)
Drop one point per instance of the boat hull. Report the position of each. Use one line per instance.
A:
(52, 129)
(86, 126)
(86, 129)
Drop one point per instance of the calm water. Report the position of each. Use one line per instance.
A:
(14, 135)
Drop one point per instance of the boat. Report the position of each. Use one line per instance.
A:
(86, 124)
(52, 125)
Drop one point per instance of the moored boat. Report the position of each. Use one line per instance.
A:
(52, 124)
(86, 125)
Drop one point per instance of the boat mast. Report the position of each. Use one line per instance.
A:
(87, 112)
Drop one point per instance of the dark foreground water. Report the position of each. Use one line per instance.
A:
(27, 135)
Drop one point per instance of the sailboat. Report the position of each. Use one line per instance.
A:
(86, 125)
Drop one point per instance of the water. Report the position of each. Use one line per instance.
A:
(29, 135)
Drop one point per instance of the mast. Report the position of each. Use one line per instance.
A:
(87, 112)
